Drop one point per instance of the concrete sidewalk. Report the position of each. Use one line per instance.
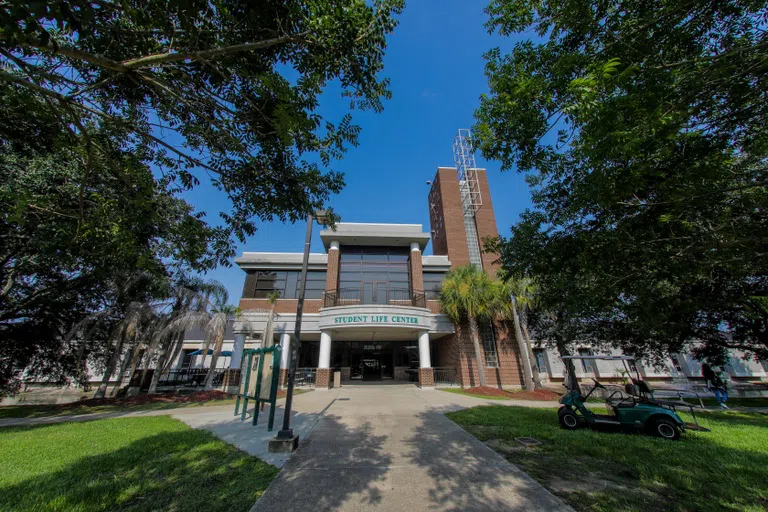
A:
(390, 448)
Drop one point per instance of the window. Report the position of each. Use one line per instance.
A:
(489, 344)
(541, 360)
(432, 283)
(587, 365)
(386, 265)
(260, 284)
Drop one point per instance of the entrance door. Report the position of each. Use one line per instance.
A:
(374, 292)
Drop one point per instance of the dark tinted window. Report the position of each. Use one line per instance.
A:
(260, 284)
(432, 282)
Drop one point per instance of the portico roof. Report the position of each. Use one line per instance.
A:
(354, 233)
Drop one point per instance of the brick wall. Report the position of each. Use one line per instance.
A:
(446, 216)
(282, 305)
(485, 221)
(458, 350)
(417, 276)
(332, 273)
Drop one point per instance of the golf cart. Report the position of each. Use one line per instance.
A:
(635, 406)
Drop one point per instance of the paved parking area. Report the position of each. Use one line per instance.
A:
(390, 448)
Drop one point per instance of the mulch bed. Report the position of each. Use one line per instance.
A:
(199, 396)
(539, 394)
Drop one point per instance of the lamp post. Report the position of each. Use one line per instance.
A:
(285, 440)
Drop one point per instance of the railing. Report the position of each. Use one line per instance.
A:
(446, 376)
(305, 377)
(389, 296)
(191, 377)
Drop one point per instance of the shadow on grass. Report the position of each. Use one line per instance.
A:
(182, 469)
(608, 471)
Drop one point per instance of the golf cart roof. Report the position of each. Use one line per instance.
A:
(602, 358)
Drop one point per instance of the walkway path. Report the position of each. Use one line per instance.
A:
(390, 448)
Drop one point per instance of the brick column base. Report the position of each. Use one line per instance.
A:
(426, 378)
(283, 381)
(324, 378)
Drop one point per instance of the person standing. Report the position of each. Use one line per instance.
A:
(715, 384)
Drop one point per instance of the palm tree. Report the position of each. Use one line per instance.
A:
(469, 293)
(521, 295)
(221, 315)
(191, 298)
(126, 332)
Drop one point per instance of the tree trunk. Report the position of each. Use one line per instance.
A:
(101, 392)
(562, 348)
(178, 344)
(148, 358)
(164, 361)
(214, 360)
(475, 332)
(524, 356)
(133, 361)
(534, 367)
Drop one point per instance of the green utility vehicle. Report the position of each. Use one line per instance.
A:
(634, 407)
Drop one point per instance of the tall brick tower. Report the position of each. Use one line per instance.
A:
(461, 211)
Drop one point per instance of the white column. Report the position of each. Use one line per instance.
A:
(285, 355)
(334, 245)
(325, 350)
(415, 246)
(424, 359)
(237, 351)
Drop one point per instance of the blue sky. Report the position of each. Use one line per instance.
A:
(435, 63)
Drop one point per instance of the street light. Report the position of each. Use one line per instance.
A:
(285, 440)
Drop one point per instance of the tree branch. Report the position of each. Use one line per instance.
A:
(162, 59)
(53, 94)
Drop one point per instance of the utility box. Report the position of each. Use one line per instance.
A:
(337, 379)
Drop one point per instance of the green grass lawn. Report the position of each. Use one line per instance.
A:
(150, 463)
(724, 470)
(460, 391)
(37, 411)
(738, 402)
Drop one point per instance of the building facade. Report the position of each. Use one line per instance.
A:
(371, 309)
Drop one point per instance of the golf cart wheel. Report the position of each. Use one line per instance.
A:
(666, 429)
(568, 419)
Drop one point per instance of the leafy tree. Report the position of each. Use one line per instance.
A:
(642, 129)
(110, 110)
(222, 91)
(469, 294)
(69, 252)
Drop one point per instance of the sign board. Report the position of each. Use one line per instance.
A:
(376, 319)
(259, 375)
(266, 377)
(253, 381)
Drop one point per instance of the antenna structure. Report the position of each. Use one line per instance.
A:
(469, 189)
(464, 159)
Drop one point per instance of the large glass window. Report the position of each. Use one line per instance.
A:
(489, 344)
(432, 283)
(260, 284)
(360, 267)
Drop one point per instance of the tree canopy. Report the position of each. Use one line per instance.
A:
(111, 110)
(642, 128)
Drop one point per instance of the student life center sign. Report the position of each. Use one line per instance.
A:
(376, 319)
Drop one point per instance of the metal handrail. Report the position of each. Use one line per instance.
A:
(393, 297)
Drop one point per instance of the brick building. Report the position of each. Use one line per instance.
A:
(371, 310)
